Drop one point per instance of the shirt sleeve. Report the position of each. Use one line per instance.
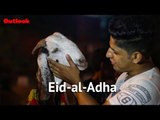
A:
(133, 94)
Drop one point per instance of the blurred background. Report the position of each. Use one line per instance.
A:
(18, 66)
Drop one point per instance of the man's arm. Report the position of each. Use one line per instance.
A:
(106, 103)
(71, 75)
(85, 98)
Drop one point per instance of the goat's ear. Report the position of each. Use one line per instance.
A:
(41, 43)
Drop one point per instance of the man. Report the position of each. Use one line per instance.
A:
(129, 53)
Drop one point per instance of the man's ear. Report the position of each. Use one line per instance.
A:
(137, 57)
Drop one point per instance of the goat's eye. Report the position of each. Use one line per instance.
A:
(55, 50)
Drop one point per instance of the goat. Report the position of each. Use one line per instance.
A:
(55, 47)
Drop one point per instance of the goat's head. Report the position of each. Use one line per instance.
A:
(56, 47)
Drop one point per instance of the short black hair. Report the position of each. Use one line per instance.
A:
(133, 33)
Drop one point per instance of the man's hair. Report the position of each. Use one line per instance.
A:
(132, 33)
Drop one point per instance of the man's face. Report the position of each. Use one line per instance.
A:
(119, 57)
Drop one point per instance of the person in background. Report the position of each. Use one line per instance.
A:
(7, 96)
(21, 86)
(37, 96)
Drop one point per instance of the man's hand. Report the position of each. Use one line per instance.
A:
(70, 74)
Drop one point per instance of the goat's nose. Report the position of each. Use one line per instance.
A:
(81, 60)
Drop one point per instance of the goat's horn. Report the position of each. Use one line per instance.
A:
(41, 43)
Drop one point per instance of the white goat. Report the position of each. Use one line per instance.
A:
(55, 47)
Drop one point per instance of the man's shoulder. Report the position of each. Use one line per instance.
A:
(156, 71)
(149, 80)
(151, 75)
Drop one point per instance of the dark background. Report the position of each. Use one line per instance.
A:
(89, 32)
(17, 40)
